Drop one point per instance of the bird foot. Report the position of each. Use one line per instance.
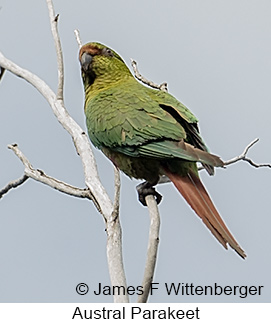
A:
(145, 189)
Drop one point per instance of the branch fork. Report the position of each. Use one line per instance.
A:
(243, 157)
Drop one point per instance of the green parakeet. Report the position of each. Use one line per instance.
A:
(147, 133)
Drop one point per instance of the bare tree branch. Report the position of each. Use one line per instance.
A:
(82, 144)
(153, 212)
(152, 248)
(114, 242)
(117, 192)
(13, 184)
(77, 37)
(114, 256)
(162, 87)
(40, 176)
(80, 139)
(53, 22)
(243, 157)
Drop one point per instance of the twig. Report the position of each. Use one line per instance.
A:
(53, 22)
(13, 184)
(152, 248)
(243, 157)
(77, 37)
(40, 176)
(161, 87)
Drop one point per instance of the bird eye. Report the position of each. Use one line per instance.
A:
(108, 52)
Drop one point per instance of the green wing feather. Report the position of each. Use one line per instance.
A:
(141, 122)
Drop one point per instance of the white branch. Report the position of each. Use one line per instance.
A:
(13, 184)
(162, 87)
(79, 137)
(117, 192)
(114, 256)
(114, 244)
(82, 144)
(40, 176)
(243, 157)
(77, 37)
(53, 23)
(153, 211)
(152, 247)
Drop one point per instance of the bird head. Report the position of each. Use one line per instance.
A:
(101, 63)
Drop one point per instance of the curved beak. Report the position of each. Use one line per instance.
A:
(85, 61)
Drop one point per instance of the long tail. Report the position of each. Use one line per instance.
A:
(195, 194)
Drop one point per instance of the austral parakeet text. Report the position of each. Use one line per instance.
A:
(147, 133)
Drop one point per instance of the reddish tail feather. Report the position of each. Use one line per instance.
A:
(197, 197)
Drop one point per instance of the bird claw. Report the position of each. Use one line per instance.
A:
(145, 189)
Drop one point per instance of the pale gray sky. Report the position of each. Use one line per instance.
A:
(216, 58)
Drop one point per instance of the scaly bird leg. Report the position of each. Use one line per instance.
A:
(145, 189)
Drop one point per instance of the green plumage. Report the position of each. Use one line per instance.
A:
(147, 133)
(135, 125)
